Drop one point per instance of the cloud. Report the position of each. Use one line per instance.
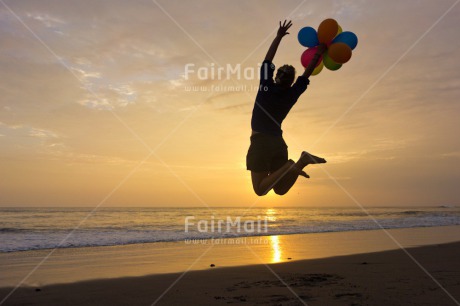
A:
(451, 154)
(26, 130)
(48, 21)
(41, 133)
(128, 59)
(85, 76)
(96, 103)
(26, 141)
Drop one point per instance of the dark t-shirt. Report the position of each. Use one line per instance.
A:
(274, 103)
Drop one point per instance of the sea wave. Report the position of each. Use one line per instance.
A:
(29, 239)
(31, 229)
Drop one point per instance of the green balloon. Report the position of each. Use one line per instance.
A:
(330, 64)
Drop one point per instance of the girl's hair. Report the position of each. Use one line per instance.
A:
(285, 75)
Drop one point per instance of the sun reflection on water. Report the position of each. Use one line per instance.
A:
(270, 213)
(275, 249)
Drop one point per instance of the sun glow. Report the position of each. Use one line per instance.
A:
(271, 214)
(275, 249)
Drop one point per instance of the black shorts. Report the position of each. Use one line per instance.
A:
(266, 153)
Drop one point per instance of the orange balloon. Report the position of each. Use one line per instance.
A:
(327, 30)
(339, 53)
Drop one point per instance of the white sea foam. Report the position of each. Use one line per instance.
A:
(30, 229)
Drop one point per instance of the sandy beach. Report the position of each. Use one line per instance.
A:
(229, 153)
(383, 278)
(423, 275)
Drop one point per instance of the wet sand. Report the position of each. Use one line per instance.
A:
(428, 275)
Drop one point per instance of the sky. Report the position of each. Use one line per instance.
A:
(98, 107)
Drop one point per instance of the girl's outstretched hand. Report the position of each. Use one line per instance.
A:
(282, 31)
(321, 49)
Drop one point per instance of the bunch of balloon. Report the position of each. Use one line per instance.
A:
(339, 45)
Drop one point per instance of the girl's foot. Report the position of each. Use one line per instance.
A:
(299, 171)
(302, 173)
(307, 159)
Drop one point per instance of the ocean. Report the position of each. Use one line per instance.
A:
(24, 229)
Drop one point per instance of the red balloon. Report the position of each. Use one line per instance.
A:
(308, 55)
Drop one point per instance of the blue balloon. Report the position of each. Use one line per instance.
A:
(348, 38)
(308, 37)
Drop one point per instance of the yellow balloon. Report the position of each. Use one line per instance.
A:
(339, 30)
(318, 69)
(327, 30)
